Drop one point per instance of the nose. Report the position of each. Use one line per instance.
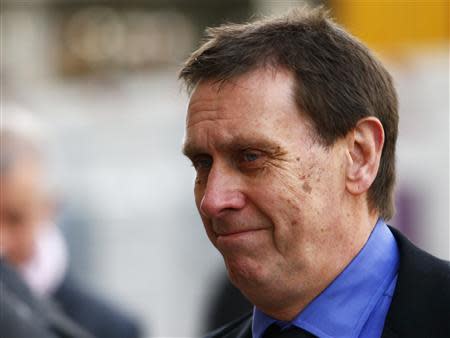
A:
(222, 194)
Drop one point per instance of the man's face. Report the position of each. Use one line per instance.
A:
(23, 208)
(269, 194)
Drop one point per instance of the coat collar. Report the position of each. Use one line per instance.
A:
(418, 308)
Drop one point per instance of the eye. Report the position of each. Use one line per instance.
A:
(202, 162)
(250, 156)
(251, 159)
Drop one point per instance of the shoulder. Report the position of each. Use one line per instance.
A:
(238, 328)
(25, 315)
(416, 262)
(93, 312)
(422, 296)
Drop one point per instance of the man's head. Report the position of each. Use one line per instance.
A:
(285, 127)
(337, 79)
(24, 203)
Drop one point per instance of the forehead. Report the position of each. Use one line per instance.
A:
(259, 104)
(251, 91)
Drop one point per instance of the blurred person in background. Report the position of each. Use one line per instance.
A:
(291, 127)
(25, 315)
(30, 241)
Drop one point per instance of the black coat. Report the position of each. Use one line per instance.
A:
(101, 319)
(420, 306)
(24, 315)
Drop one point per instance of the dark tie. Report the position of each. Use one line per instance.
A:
(274, 331)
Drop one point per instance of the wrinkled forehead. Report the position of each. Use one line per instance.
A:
(256, 108)
(253, 90)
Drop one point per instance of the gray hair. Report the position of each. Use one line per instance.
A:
(22, 135)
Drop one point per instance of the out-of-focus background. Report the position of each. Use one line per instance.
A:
(102, 75)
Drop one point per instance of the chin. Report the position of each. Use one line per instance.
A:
(247, 274)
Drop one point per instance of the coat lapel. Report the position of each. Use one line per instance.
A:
(388, 333)
(419, 306)
(244, 330)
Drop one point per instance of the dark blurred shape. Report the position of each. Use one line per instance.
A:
(108, 39)
(227, 304)
(23, 315)
(135, 35)
(95, 314)
(123, 36)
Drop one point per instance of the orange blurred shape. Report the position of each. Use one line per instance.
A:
(390, 25)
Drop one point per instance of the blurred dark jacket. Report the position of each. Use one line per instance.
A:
(23, 315)
(93, 313)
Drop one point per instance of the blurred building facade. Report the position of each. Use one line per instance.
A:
(103, 74)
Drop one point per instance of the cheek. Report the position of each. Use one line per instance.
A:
(284, 196)
(294, 199)
(5, 239)
(282, 202)
(274, 186)
(18, 242)
(24, 235)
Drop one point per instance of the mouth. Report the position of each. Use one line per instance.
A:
(233, 233)
(237, 235)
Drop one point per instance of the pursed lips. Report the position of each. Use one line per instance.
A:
(223, 233)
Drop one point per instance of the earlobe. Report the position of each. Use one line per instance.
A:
(365, 145)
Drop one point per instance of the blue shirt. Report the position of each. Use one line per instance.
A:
(356, 303)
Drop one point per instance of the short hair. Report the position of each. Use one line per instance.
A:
(22, 136)
(338, 80)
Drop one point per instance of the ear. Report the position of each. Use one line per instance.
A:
(365, 144)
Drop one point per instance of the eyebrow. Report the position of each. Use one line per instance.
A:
(190, 150)
(237, 143)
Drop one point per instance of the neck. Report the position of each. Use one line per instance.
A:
(285, 305)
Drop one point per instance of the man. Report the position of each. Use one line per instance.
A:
(33, 252)
(291, 128)
(23, 312)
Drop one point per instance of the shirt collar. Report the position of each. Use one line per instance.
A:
(358, 287)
